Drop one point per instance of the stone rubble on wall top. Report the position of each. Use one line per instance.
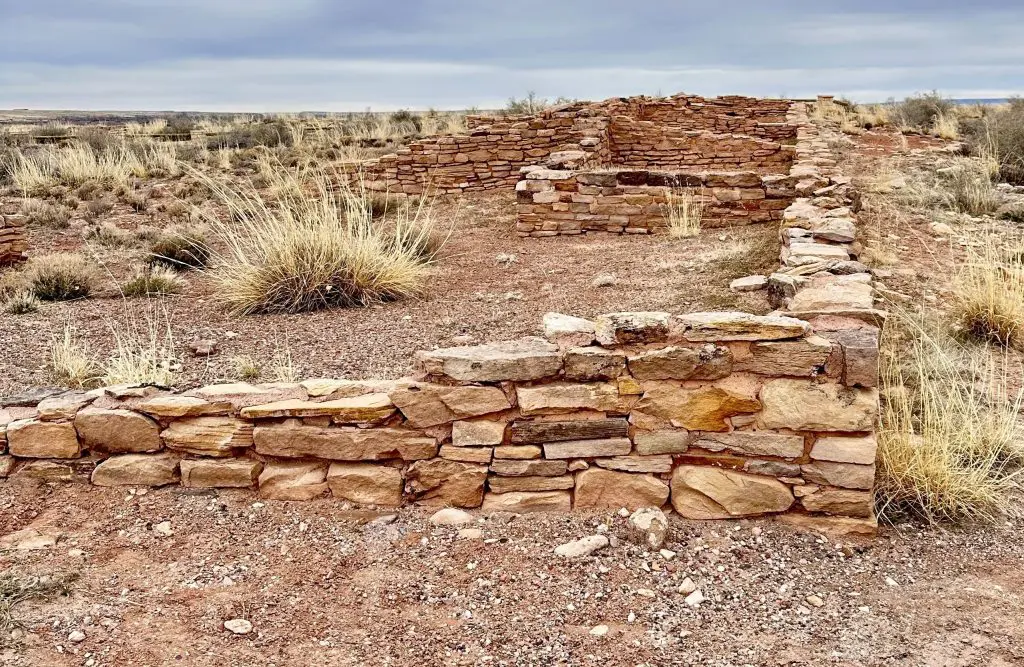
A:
(518, 360)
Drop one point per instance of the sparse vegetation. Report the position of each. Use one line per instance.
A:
(143, 351)
(16, 589)
(71, 362)
(246, 368)
(1000, 134)
(920, 112)
(21, 303)
(60, 277)
(989, 291)
(154, 280)
(684, 212)
(46, 214)
(181, 249)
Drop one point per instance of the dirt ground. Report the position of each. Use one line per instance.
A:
(488, 285)
(326, 585)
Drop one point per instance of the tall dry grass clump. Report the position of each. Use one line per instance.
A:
(989, 291)
(317, 247)
(684, 212)
(949, 439)
(71, 362)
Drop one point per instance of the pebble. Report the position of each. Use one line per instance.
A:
(687, 586)
(646, 592)
(599, 630)
(605, 280)
(631, 617)
(76, 637)
(163, 529)
(814, 601)
(471, 533)
(582, 547)
(889, 581)
(667, 554)
(694, 599)
(238, 626)
(451, 516)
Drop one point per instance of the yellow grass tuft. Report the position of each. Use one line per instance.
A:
(989, 292)
(71, 363)
(684, 211)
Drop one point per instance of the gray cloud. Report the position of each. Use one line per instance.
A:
(256, 55)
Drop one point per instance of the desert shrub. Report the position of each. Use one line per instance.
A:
(152, 281)
(989, 292)
(949, 442)
(918, 112)
(136, 199)
(684, 211)
(946, 126)
(21, 303)
(406, 122)
(1000, 134)
(531, 104)
(71, 363)
(60, 277)
(176, 126)
(268, 133)
(970, 188)
(46, 214)
(109, 235)
(308, 252)
(181, 249)
(97, 208)
(99, 139)
(246, 368)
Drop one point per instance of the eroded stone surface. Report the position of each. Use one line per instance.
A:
(845, 449)
(741, 326)
(208, 436)
(801, 357)
(528, 501)
(172, 406)
(561, 397)
(442, 482)
(702, 409)
(606, 488)
(628, 328)
(582, 449)
(846, 475)
(518, 360)
(425, 405)
(568, 331)
(589, 364)
(117, 431)
(342, 443)
(804, 405)
(220, 473)
(31, 438)
(293, 480)
(365, 483)
(477, 433)
(137, 470)
(703, 492)
(844, 502)
(364, 409)
(753, 443)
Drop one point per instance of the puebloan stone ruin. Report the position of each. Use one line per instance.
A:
(719, 414)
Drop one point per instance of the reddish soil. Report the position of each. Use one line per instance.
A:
(470, 293)
(321, 586)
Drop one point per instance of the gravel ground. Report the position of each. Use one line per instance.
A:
(322, 584)
(470, 293)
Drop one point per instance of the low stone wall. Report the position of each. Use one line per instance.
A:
(720, 414)
(13, 243)
(563, 202)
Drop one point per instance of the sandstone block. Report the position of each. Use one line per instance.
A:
(702, 492)
(741, 326)
(652, 464)
(517, 452)
(293, 480)
(478, 433)
(606, 488)
(30, 438)
(243, 394)
(467, 454)
(749, 284)
(364, 409)
(588, 364)
(342, 443)
(846, 475)
(753, 443)
(63, 407)
(220, 473)
(528, 501)
(117, 431)
(802, 357)
(561, 397)
(539, 432)
(207, 436)
(137, 470)
(843, 502)
(366, 483)
(518, 360)
(703, 409)
(669, 441)
(843, 449)
(442, 482)
(426, 405)
(837, 526)
(628, 328)
(527, 468)
(582, 449)
(803, 405)
(568, 331)
(173, 406)
(681, 363)
(499, 484)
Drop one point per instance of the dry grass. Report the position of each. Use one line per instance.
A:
(946, 126)
(310, 251)
(949, 439)
(684, 212)
(15, 590)
(181, 249)
(46, 214)
(21, 302)
(60, 277)
(153, 281)
(71, 362)
(143, 350)
(989, 291)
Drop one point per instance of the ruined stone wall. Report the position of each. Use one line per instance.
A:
(720, 414)
(564, 202)
(13, 243)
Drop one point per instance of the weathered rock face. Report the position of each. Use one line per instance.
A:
(700, 492)
(753, 443)
(364, 409)
(518, 452)
(30, 438)
(629, 328)
(648, 526)
(220, 473)
(293, 480)
(63, 407)
(802, 357)
(741, 326)
(508, 484)
(518, 360)
(808, 406)
(568, 331)
(534, 467)
(117, 431)
(171, 405)
(846, 475)
(208, 436)
(591, 364)
(581, 449)
(681, 363)
(467, 454)
(606, 488)
(241, 394)
(425, 405)
(441, 482)
(669, 441)
(840, 449)
(528, 501)
(366, 483)
(839, 501)
(703, 409)
(564, 397)
(652, 464)
(558, 431)
(342, 443)
(137, 470)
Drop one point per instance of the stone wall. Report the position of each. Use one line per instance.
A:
(553, 202)
(13, 243)
(720, 414)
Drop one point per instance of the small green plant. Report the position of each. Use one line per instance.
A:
(109, 235)
(246, 368)
(60, 277)
(154, 280)
(181, 249)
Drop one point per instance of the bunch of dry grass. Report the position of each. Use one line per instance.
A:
(181, 249)
(143, 350)
(71, 362)
(15, 590)
(152, 281)
(72, 166)
(946, 126)
(21, 302)
(949, 439)
(46, 214)
(684, 211)
(311, 250)
(989, 291)
(60, 276)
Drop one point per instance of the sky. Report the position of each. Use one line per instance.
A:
(349, 55)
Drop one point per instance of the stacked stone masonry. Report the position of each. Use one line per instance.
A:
(680, 132)
(13, 243)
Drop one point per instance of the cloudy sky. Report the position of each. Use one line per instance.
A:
(291, 55)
